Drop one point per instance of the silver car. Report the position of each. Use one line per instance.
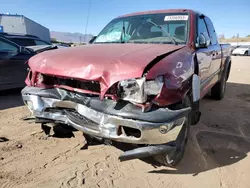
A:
(242, 50)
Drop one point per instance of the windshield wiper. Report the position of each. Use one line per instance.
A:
(162, 29)
(123, 33)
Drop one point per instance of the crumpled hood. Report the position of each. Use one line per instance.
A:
(107, 63)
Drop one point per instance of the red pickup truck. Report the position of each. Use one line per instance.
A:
(139, 82)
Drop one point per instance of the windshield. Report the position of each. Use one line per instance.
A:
(151, 28)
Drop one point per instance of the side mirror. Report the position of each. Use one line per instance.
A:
(23, 50)
(203, 41)
(92, 40)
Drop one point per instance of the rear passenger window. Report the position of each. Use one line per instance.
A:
(6, 47)
(211, 31)
(24, 41)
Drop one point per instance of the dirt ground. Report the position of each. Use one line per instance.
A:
(216, 155)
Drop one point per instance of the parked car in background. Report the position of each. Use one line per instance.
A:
(242, 50)
(24, 40)
(139, 82)
(61, 45)
(14, 52)
(233, 48)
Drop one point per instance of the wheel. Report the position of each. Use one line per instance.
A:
(172, 159)
(219, 89)
(246, 53)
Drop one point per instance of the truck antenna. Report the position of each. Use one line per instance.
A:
(87, 21)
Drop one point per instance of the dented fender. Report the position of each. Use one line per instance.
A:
(177, 69)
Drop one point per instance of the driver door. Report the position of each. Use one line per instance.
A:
(205, 57)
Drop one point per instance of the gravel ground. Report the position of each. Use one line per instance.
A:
(216, 154)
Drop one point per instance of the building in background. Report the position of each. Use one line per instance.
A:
(20, 24)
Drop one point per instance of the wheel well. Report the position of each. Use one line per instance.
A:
(226, 66)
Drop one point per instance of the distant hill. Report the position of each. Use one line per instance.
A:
(70, 37)
(241, 39)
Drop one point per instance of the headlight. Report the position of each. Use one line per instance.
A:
(39, 79)
(137, 90)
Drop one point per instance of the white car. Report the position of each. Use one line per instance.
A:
(242, 50)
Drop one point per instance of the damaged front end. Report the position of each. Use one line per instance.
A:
(108, 119)
(138, 110)
(119, 121)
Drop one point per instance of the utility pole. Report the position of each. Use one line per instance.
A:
(87, 21)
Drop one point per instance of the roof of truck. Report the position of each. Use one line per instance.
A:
(7, 14)
(158, 12)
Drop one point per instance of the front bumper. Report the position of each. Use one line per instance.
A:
(105, 119)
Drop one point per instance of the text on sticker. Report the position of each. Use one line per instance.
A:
(176, 17)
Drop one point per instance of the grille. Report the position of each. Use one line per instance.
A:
(81, 120)
(79, 84)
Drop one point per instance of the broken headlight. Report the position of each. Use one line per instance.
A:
(39, 78)
(137, 90)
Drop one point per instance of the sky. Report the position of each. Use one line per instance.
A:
(229, 16)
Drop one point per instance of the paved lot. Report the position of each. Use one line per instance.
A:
(216, 155)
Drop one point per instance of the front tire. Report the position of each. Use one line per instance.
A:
(246, 53)
(172, 159)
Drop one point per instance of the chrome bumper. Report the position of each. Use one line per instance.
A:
(107, 125)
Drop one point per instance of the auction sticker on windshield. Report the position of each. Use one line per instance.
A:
(176, 17)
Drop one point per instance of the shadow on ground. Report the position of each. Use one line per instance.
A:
(222, 136)
(10, 99)
(4, 139)
(63, 131)
(57, 130)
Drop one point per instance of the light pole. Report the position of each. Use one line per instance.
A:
(87, 21)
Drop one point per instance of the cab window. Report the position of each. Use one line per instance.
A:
(39, 42)
(202, 28)
(211, 30)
